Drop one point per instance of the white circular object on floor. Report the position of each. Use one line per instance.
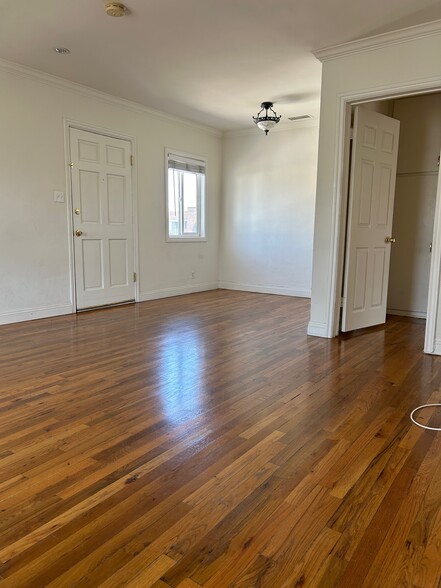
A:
(419, 424)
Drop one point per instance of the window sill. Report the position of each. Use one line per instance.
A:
(186, 239)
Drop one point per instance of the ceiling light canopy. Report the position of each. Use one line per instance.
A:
(115, 9)
(266, 121)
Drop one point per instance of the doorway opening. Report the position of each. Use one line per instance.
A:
(412, 288)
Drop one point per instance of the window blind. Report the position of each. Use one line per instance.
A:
(186, 164)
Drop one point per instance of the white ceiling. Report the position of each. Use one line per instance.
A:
(211, 61)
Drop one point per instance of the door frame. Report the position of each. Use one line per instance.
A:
(340, 202)
(73, 124)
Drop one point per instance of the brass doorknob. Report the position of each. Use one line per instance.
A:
(390, 240)
(78, 232)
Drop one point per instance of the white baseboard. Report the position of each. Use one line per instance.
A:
(437, 348)
(410, 313)
(177, 291)
(30, 314)
(318, 329)
(299, 292)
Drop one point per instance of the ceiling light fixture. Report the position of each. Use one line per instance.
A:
(115, 9)
(266, 121)
(61, 50)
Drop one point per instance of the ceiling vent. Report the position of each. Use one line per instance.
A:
(300, 117)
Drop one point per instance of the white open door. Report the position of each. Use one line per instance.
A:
(102, 219)
(371, 203)
(434, 276)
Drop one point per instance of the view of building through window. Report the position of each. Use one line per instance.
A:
(185, 190)
(182, 185)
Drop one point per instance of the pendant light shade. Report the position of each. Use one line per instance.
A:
(265, 121)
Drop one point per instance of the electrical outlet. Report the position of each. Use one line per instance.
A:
(58, 196)
(193, 275)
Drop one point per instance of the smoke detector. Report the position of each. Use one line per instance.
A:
(115, 9)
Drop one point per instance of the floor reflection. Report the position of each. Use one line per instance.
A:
(180, 369)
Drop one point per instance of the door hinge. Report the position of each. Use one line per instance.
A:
(134, 276)
(351, 133)
(132, 160)
(342, 301)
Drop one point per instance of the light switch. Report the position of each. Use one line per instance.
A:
(58, 196)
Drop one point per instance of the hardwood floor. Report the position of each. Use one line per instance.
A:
(206, 441)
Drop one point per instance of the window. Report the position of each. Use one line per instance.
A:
(185, 197)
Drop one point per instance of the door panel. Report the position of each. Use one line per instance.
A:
(115, 156)
(90, 204)
(88, 150)
(361, 265)
(371, 200)
(118, 262)
(366, 192)
(384, 197)
(378, 277)
(103, 225)
(92, 260)
(116, 199)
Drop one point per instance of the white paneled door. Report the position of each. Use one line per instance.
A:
(102, 219)
(371, 204)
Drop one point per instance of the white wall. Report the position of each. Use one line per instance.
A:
(387, 64)
(34, 239)
(268, 210)
(385, 107)
(415, 195)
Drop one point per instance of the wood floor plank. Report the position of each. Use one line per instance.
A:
(205, 441)
(188, 583)
(24, 543)
(136, 575)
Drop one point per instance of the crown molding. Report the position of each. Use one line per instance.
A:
(48, 79)
(281, 128)
(428, 29)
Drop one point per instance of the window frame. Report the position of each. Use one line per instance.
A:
(201, 201)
